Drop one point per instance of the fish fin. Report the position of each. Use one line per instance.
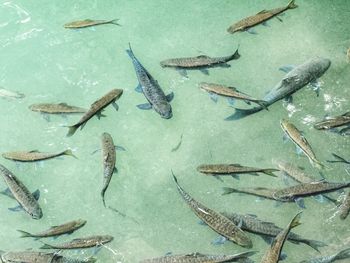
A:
(282, 256)
(202, 56)
(96, 250)
(262, 12)
(24, 233)
(270, 172)
(300, 202)
(144, 106)
(72, 130)
(139, 88)
(298, 150)
(34, 151)
(224, 65)
(99, 114)
(262, 103)
(217, 177)
(316, 86)
(36, 194)
(7, 192)
(340, 159)
(314, 244)
(280, 19)
(46, 246)
(285, 137)
(235, 176)
(115, 22)
(214, 97)
(241, 113)
(343, 254)
(228, 190)
(170, 96)
(235, 55)
(285, 178)
(16, 208)
(119, 148)
(46, 117)
(288, 99)
(115, 170)
(278, 203)
(182, 72)
(201, 222)
(70, 153)
(252, 215)
(267, 239)
(204, 71)
(319, 198)
(83, 125)
(251, 31)
(115, 105)
(231, 101)
(292, 4)
(287, 68)
(220, 240)
(265, 24)
(96, 151)
(247, 101)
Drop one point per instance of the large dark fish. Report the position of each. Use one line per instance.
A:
(89, 22)
(199, 258)
(96, 109)
(257, 191)
(299, 139)
(66, 228)
(333, 122)
(86, 242)
(151, 89)
(108, 159)
(329, 259)
(296, 79)
(273, 254)
(344, 208)
(32, 156)
(59, 108)
(216, 221)
(21, 193)
(232, 169)
(268, 230)
(260, 17)
(229, 92)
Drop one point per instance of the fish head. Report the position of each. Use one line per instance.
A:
(107, 238)
(244, 241)
(36, 213)
(80, 222)
(319, 66)
(283, 123)
(164, 110)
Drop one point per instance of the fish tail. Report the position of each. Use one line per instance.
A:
(315, 244)
(241, 113)
(343, 254)
(229, 190)
(129, 52)
(72, 130)
(46, 246)
(70, 153)
(103, 197)
(236, 55)
(292, 5)
(115, 22)
(296, 220)
(24, 233)
(270, 172)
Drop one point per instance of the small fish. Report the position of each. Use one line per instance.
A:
(89, 22)
(11, 94)
(66, 228)
(199, 258)
(35, 155)
(108, 159)
(216, 221)
(86, 242)
(339, 159)
(231, 169)
(59, 108)
(268, 230)
(307, 189)
(257, 191)
(273, 254)
(260, 17)
(96, 108)
(230, 92)
(296, 136)
(151, 90)
(178, 145)
(333, 122)
(345, 207)
(329, 259)
(21, 193)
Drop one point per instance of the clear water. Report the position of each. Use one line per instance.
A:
(51, 64)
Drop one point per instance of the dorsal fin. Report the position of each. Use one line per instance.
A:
(202, 56)
(262, 12)
(63, 104)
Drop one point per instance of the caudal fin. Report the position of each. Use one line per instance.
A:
(292, 5)
(115, 22)
(129, 52)
(343, 254)
(228, 190)
(72, 130)
(241, 113)
(315, 244)
(236, 55)
(296, 220)
(70, 153)
(270, 172)
(24, 233)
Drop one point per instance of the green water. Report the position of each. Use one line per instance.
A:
(49, 63)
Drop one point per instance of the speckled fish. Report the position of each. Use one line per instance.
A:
(86, 242)
(11, 94)
(344, 208)
(108, 159)
(268, 230)
(273, 254)
(21, 193)
(333, 122)
(298, 138)
(257, 191)
(59, 108)
(32, 156)
(66, 228)
(297, 78)
(229, 92)
(259, 18)
(216, 221)
(232, 169)
(96, 108)
(89, 22)
(307, 189)
(151, 90)
(198, 258)
(329, 259)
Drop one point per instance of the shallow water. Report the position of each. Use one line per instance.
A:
(49, 63)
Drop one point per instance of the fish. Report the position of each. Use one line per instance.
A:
(86, 242)
(66, 228)
(11, 94)
(257, 191)
(308, 189)
(200, 62)
(339, 159)
(151, 90)
(344, 208)
(59, 108)
(108, 159)
(96, 108)
(199, 258)
(298, 138)
(329, 259)
(268, 230)
(216, 221)
(35, 155)
(89, 22)
(229, 92)
(333, 122)
(21, 193)
(259, 18)
(294, 80)
(39, 257)
(233, 169)
(273, 254)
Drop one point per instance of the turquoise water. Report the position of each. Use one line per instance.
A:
(49, 63)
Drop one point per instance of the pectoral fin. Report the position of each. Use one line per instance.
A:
(144, 106)
(170, 96)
